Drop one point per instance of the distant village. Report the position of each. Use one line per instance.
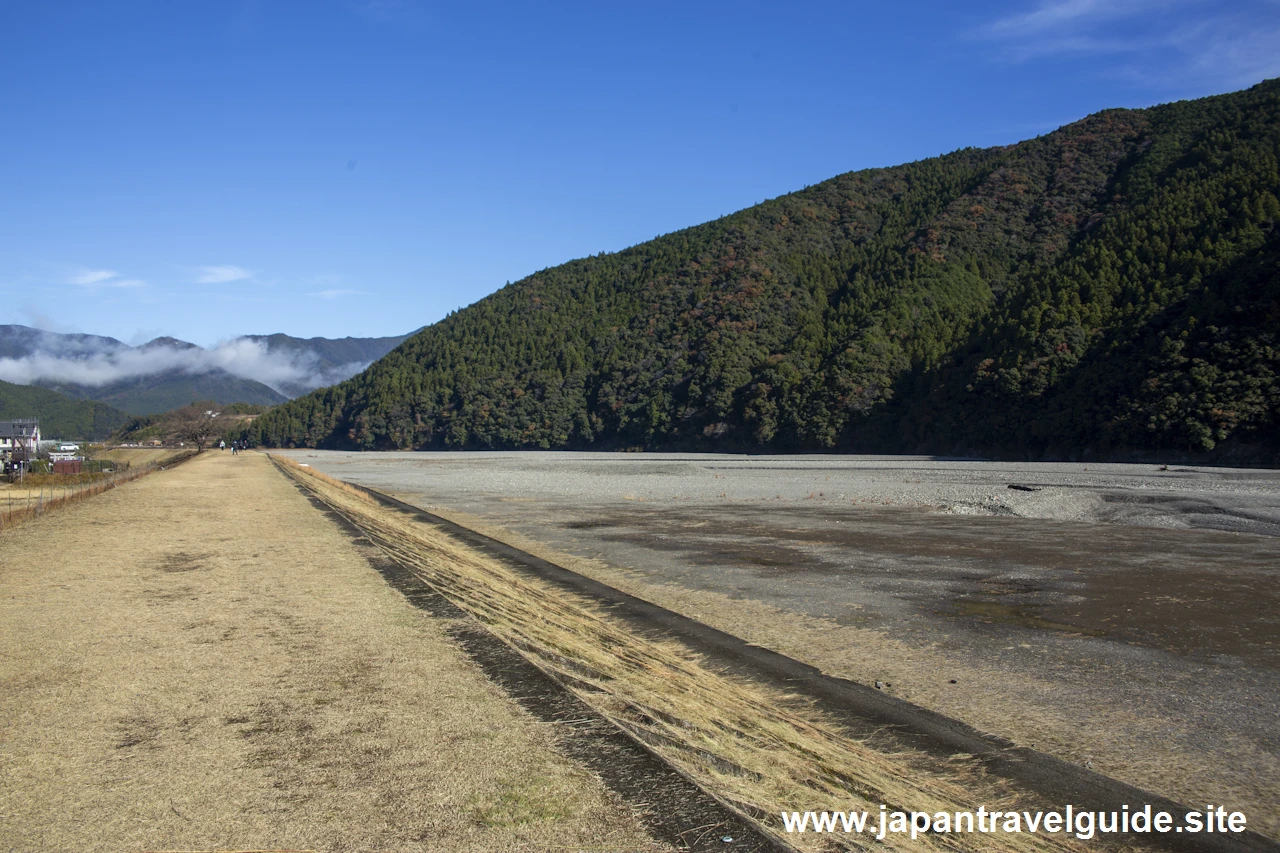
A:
(23, 449)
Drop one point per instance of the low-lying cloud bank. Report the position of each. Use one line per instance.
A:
(289, 372)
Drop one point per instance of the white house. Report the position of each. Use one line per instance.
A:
(21, 436)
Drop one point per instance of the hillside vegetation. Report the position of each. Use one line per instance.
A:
(1110, 288)
(60, 417)
(163, 392)
(170, 426)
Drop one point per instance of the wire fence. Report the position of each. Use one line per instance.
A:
(36, 494)
(85, 466)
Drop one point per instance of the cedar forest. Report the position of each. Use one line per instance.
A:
(1110, 289)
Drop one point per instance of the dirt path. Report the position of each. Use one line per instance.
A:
(200, 660)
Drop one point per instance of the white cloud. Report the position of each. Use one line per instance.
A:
(222, 274)
(92, 365)
(87, 277)
(103, 278)
(1055, 16)
(1237, 55)
(334, 294)
(1166, 44)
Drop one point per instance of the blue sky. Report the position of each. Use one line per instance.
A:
(334, 167)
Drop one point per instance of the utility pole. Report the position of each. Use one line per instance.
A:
(21, 440)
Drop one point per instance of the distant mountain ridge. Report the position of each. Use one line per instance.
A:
(1109, 289)
(346, 356)
(172, 389)
(21, 341)
(166, 341)
(166, 373)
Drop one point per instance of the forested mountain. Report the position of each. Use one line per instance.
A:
(1109, 288)
(152, 393)
(60, 417)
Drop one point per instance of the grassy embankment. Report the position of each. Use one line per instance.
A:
(204, 662)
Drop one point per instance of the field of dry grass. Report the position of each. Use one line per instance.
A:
(756, 749)
(199, 660)
(138, 455)
(31, 497)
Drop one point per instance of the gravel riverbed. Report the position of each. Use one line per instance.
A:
(1123, 616)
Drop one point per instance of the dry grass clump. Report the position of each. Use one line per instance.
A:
(35, 481)
(757, 750)
(302, 468)
(140, 455)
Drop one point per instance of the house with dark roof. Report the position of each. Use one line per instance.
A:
(19, 440)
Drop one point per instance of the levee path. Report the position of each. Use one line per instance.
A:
(201, 660)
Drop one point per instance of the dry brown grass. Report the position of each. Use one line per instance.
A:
(202, 661)
(759, 751)
(333, 482)
(35, 481)
(140, 455)
(40, 494)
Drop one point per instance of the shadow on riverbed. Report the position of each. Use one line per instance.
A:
(1202, 593)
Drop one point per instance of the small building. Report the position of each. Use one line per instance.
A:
(67, 466)
(19, 439)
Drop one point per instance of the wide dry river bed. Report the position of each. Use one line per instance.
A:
(1122, 616)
